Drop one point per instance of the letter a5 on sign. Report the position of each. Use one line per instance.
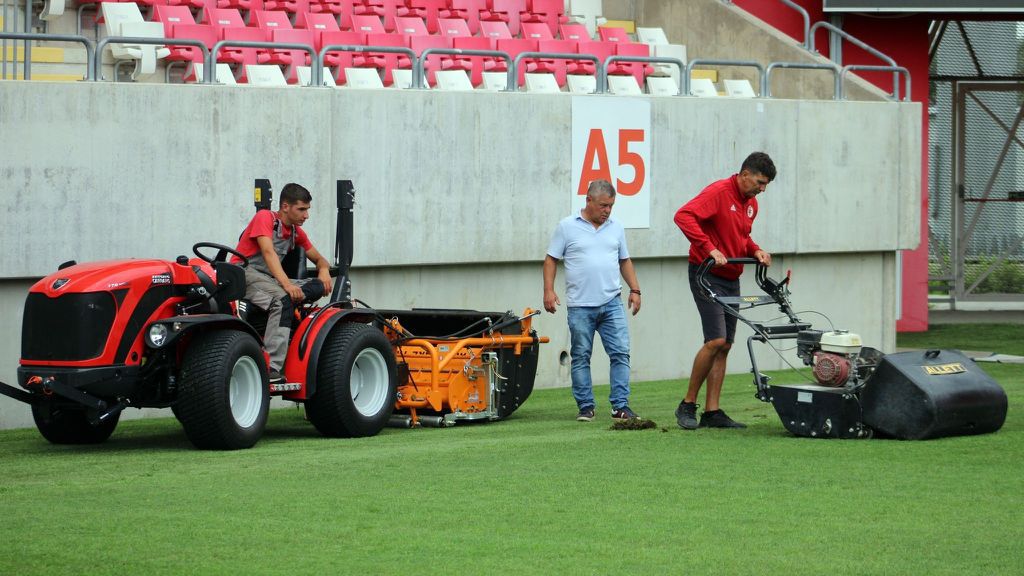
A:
(611, 140)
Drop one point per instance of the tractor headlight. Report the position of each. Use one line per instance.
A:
(157, 335)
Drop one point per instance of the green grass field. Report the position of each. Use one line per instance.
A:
(539, 493)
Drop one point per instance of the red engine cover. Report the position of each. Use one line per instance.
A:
(831, 369)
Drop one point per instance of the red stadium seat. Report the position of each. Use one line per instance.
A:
(206, 34)
(453, 27)
(495, 30)
(475, 65)
(386, 10)
(410, 26)
(318, 22)
(343, 9)
(289, 56)
(613, 34)
(246, 5)
(602, 50)
(429, 10)
(506, 11)
(171, 16)
(342, 60)
(548, 12)
(537, 31)
(514, 47)
(387, 62)
(468, 10)
(241, 56)
(434, 62)
(270, 20)
(576, 32)
(558, 67)
(221, 18)
(289, 6)
(367, 24)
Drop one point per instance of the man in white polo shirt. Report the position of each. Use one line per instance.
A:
(593, 247)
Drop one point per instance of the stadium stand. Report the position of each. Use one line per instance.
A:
(125, 19)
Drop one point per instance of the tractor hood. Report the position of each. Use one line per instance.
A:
(110, 275)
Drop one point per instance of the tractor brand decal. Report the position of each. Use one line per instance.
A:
(116, 285)
(941, 369)
(59, 283)
(161, 279)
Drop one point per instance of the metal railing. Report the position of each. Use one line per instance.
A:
(835, 30)
(766, 90)
(513, 70)
(97, 59)
(897, 70)
(89, 49)
(708, 62)
(210, 58)
(317, 73)
(26, 49)
(419, 66)
(603, 75)
(807, 20)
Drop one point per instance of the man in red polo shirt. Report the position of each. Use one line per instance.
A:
(717, 222)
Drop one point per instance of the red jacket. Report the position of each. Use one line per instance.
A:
(719, 218)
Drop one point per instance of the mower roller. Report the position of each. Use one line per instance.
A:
(104, 336)
(858, 391)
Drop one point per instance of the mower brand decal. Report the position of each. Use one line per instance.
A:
(59, 283)
(750, 211)
(941, 369)
(805, 397)
(161, 278)
(751, 298)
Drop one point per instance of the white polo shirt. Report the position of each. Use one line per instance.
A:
(591, 256)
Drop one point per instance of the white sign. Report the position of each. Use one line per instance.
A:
(611, 139)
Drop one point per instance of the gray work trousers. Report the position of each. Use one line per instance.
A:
(264, 291)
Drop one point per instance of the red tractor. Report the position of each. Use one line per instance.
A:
(104, 336)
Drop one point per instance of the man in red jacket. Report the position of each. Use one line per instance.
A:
(717, 222)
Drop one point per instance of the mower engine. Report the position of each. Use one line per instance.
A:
(833, 355)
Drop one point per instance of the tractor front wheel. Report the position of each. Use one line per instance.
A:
(62, 425)
(355, 383)
(224, 396)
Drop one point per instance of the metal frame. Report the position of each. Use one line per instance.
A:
(90, 51)
(766, 90)
(419, 65)
(836, 31)
(316, 79)
(896, 69)
(963, 230)
(97, 59)
(513, 69)
(210, 56)
(709, 62)
(603, 74)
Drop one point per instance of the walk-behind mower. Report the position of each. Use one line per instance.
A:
(101, 337)
(857, 391)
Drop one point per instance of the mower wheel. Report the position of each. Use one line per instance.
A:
(356, 383)
(224, 396)
(62, 425)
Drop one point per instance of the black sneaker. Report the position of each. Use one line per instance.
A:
(585, 415)
(718, 419)
(623, 413)
(275, 377)
(686, 415)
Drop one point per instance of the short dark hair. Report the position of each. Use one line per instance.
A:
(759, 163)
(293, 193)
(600, 187)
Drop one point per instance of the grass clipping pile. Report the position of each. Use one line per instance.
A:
(633, 424)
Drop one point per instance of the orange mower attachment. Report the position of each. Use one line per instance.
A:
(482, 367)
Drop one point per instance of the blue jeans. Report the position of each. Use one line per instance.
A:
(608, 320)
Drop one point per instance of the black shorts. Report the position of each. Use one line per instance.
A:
(714, 320)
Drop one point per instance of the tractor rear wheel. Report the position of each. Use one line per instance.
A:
(62, 425)
(224, 396)
(355, 383)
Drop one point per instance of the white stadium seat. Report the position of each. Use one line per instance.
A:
(739, 89)
(703, 87)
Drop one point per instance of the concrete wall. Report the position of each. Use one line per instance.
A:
(457, 194)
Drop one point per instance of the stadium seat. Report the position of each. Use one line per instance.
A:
(241, 56)
(223, 73)
(638, 70)
(317, 21)
(410, 26)
(467, 10)
(662, 86)
(506, 11)
(171, 16)
(341, 8)
(609, 34)
(602, 50)
(513, 47)
(385, 61)
(221, 18)
(125, 19)
(475, 66)
(453, 80)
(494, 81)
(435, 62)
(703, 88)
(429, 11)
(362, 78)
(543, 83)
(575, 32)
(240, 5)
(623, 85)
(651, 36)
(453, 27)
(305, 76)
(555, 66)
(292, 7)
(342, 61)
(263, 75)
(367, 24)
(537, 31)
(385, 10)
(270, 20)
(495, 30)
(551, 13)
(677, 51)
(738, 88)
(206, 34)
(581, 83)
(587, 12)
(288, 57)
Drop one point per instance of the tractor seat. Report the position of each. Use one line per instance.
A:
(230, 283)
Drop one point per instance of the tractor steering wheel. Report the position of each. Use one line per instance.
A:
(222, 253)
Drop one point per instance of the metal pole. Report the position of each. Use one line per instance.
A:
(27, 54)
(3, 46)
